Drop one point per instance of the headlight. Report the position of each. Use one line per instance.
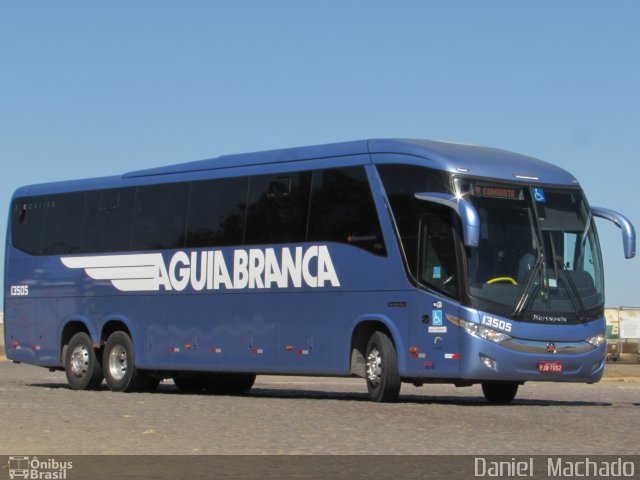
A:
(484, 332)
(597, 340)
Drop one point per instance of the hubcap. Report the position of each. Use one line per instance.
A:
(79, 362)
(374, 367)
(118, 362)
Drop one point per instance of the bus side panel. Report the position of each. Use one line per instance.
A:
(389, 308)
(129, 310)
(312, 327)
(20, 323)
(96, 312)
(71, 309)
(195, 332)
(47, 349)
(435, 337)
(156, 352)
(250, 337)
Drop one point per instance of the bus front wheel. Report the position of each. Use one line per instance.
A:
(383, 379)
(500, 393)
(81, 364)
(120, 371)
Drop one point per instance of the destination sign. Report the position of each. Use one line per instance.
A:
(494, 191)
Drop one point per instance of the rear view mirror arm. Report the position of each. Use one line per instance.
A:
(628, 232)
(463, 208)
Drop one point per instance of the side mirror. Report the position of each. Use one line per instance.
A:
(628, 232)
(465, 210)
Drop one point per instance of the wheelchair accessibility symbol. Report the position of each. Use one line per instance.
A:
(538, 195)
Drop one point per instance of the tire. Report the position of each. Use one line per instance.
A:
(383, 379)
(119, 367)
(189, 383)
(81, 364)
(227, 383)
(500, 393)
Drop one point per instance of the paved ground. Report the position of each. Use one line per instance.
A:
(39, 414)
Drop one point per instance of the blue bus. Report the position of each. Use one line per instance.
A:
(391, 260)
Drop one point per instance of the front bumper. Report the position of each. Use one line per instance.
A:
(518, 360)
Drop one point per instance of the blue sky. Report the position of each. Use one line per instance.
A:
(93, 88)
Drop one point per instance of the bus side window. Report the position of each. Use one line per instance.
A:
(401, 182)
(107, 220)
(217, 211)
(342, 210)
(27, 218)
(63, 224)
(159, 216)
(437, 266)
(278, 206)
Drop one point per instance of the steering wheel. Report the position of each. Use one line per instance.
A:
(501, 279)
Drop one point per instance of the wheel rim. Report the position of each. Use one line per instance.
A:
(79, 362)
(118, 362)
(374, 367)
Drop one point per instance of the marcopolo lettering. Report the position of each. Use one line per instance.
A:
(253, 268)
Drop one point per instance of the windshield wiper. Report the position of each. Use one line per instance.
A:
(538, 267)
(525, 296)
(572, 290)
(583, 240)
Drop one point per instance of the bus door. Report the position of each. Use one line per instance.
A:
(434, 335)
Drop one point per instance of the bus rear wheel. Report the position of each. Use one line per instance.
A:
(383, 379)
(120, 371)
(81, 364)
(500, 393)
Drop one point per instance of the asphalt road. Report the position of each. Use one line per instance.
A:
(39, 414)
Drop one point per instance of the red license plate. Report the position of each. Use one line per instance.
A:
(550, 367)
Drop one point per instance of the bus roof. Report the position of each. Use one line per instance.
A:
(450, 157)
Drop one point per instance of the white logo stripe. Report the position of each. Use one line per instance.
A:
(123, 273)
(105, 261)
(137, 285)
(128, 273)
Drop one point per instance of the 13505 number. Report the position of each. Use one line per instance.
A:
(19, 290)
(496, 323)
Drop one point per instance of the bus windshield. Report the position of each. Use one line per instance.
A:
(538, 254)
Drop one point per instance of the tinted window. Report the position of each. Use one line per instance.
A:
(27, 218)
(107, 220)
(278, 206)
(159, 220)
(401, 183)
(342, 209)
(216, 212)
(326, 205)
(62, 229)
(437, 257)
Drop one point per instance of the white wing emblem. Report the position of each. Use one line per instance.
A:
(128, 273)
